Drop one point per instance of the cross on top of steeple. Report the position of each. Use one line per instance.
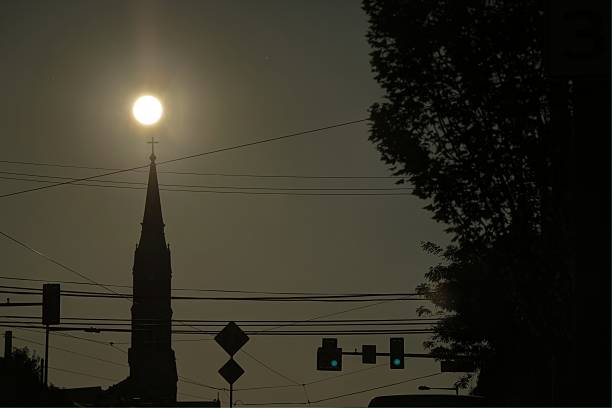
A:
(152, 143)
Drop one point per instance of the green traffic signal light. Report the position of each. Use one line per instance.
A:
(329, 357)
(396, 352)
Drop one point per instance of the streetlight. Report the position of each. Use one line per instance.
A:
(426, 388)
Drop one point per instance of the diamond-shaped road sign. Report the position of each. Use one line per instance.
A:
(231, 371)
(231, 338)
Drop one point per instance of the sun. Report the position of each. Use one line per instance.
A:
(147, 110)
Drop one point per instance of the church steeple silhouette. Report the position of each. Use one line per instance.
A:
(152, 362)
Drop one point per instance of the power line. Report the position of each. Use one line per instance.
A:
(155, 324)
(193, 382)
(77, 182)
(265, 331)
(239, 146)
(181, 378)
(276, 403)
(193, 395)
(83, 374)
(108, 289)
(323, 298)
(196, 289)
(215, 174)
(332, 314)
(59, 264)
(200, 186)
(52, 260)
(375, 388)
(268, 367)
(112, 344)
(348, 322)
(72, 352)
(345, 374)
(354, 332)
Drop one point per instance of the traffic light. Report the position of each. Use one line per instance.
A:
(329, 356)
(396, 352)
(51, 304)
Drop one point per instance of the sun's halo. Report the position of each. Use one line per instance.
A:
(147, 110)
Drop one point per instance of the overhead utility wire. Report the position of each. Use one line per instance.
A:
(75, 179)
(375, 388)
(327, 315)
(245, 322)
(193, 382)
(368, 327)
(145, 323)
(29, 248)
(70, 269)
(111, 344)
(332, 314)
(48, 258)
(192, 173)
(347, 394)
(83, 374)
(239, 146)
(214, 332)
(72, 352)
(195, 289)
(180, 377)
(318, 298)
(78, 183)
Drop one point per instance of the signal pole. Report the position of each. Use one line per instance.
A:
(46, 355)
(50, 315)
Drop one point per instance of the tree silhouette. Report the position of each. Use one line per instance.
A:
(466, 121)
(20, 381)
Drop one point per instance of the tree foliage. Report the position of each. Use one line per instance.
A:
(466, 121)
(20, 381)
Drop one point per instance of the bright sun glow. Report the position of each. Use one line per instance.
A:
(147, 110)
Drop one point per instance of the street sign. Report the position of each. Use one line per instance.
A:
(231, 371)
(231, 338)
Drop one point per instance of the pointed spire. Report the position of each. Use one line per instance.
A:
(153, 222)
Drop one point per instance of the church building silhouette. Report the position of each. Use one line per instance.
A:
(153, 375)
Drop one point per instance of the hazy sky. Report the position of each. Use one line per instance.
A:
(228, 72)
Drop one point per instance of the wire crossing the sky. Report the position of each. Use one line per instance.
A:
(224, 149)
(213, 174)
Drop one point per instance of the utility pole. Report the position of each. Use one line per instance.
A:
(42, 371)
(46, 382)
(8, 344)
(50, 315)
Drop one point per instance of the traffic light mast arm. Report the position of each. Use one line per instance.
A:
(20, 304)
